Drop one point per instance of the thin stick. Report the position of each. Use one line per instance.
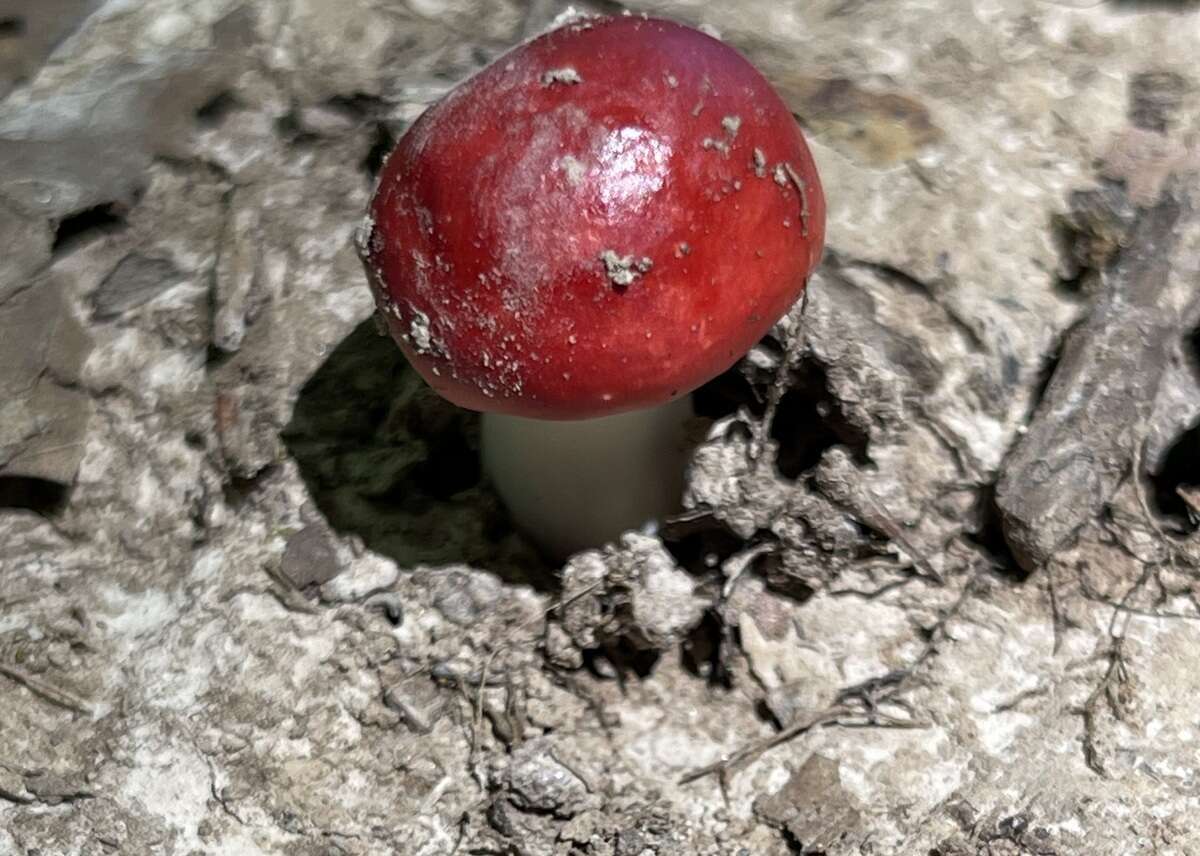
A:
(751, 750)
(866, 713)
(46, 691)
(792, 353)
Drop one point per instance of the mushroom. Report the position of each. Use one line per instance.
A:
(577, 237)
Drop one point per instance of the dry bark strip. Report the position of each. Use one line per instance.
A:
(1092, 418)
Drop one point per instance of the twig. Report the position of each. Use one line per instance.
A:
(1056, 617)
(1108, 689)
(867, 694)
(752, 750)
(1015, 702)
(48, 450)
(1117, 673)
(1122, 608)
(793, 350)
(838, 714)
(570, 768)
(890, 528)
(46, 691)
(737, 564)
(478, 723)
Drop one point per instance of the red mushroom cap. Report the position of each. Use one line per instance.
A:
(601, 220)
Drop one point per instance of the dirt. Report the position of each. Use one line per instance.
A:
(934, 590)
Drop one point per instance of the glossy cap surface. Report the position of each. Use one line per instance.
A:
(603, 219)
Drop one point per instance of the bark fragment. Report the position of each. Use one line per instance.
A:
(1091, 420)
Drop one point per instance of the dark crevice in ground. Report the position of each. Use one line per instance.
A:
(1179, 474)
(358, 105)
(214, 357)
(381, 145)
(796, 846)
(1075, 286)
(32, 494)
(12, 27)
(1075, 275)
(621, 659)
(699, 544)
(239, 490)
(83, 225)
(290, 130)
(213, 112)
(725, 394)
(987, 534)
(452, 467)
(702, 651)
(779, 581)
(1046, 373)
(809, 421)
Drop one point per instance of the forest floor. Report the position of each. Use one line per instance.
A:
(936, 586)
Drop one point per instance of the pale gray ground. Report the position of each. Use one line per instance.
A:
(191, 394)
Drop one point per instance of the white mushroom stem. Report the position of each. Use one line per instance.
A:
(576, 485)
